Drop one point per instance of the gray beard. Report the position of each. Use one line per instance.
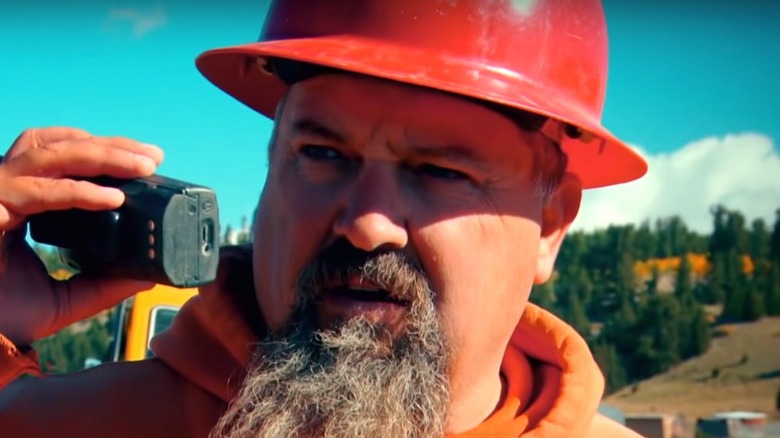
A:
(352, 381)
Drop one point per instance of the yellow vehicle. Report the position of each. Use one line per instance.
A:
(143, 316)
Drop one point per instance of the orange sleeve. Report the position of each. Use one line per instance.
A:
(15, 362)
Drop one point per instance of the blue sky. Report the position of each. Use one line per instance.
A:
(693, 84)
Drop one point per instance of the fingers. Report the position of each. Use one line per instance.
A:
(41, 173)
(25, 196)
(91, 156)
(34, 176)
(54, 134)
(36, 138)
(33, 138)
(30, 195)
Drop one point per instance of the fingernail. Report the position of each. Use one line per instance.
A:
(152, 146)
(146, 163)
(116, 195)
(155, 151)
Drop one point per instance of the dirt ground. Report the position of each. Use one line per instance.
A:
(740, 372)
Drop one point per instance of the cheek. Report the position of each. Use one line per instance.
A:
(482, 267)
(294, 220)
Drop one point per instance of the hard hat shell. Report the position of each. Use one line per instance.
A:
(544, 56)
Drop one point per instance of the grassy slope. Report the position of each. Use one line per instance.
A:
(691, 390)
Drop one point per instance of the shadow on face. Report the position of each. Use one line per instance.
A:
(364, 166)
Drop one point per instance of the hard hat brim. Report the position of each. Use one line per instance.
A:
(603, 161)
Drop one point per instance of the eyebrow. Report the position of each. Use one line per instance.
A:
(453, 153)
(312, 127)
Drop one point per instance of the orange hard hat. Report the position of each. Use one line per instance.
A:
(544, 56)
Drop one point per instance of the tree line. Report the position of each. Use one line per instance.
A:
(647, 297)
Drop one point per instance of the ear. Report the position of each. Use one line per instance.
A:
(557, 215)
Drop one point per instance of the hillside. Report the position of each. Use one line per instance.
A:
(741, 371)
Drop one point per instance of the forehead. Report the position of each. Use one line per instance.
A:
(378, 98)
(353, 101)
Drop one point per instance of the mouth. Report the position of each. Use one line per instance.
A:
(357, 297)
(356, 288)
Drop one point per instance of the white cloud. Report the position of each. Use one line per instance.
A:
(740, 171)
(142, 21)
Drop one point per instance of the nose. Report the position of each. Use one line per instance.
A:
(374, 215)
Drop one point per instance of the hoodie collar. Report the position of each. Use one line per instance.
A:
(554, 384)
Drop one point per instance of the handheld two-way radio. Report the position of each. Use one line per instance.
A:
(166, 231)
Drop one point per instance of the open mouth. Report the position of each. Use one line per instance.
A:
(368, 295)
(355, 288)
(352, 296)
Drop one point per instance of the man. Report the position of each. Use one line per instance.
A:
(426, 163)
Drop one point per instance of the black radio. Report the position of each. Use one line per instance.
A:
(166, 231)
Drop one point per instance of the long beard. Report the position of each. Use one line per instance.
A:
(355, 380)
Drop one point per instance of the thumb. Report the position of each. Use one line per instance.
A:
(81, 297)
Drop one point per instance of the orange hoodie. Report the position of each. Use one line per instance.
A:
(554, 385)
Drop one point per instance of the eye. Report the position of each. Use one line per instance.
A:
(321, 153)
(441, 172)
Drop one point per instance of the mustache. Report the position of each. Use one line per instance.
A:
(393, 271)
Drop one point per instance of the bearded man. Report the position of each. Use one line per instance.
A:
(426, 163)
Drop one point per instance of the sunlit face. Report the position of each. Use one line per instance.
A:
(386, 166)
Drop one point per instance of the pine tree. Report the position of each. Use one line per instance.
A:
(674, 235)
(774, 240)
(737, 233)
(698, 339)
(661, 319)
(719, 240)
(645, 242)
(733, 306)
(693, 326)
(683, 286)
(576, 317)
(626, 312)
(772, 298)
(665, 245)
(620, 330)
(584, 285)
(759, 239)
(611, 365)
(603, 302)
(735, 285)
(714, 291)
(626, 280)
(753, 308)
(652, 284)
(574, 249)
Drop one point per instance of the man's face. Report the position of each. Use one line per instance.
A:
(364, 166)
